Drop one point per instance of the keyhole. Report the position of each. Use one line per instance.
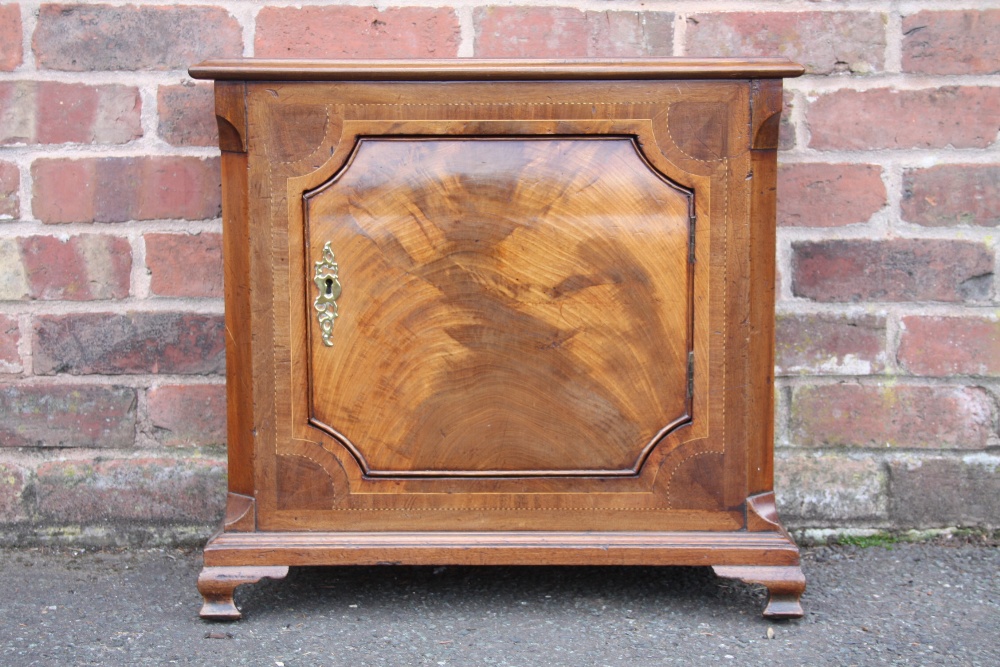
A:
(329, 286)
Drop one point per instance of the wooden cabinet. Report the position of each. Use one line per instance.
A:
(499, 312)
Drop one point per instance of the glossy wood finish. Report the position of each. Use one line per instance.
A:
(554, 325)
(469, 69)
(520, 275)
(501, 548)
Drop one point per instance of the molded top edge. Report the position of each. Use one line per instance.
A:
(468, 69)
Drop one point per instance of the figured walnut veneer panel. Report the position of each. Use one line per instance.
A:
(544, 280)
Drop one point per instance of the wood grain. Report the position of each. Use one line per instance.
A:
(503, 548)
(545, 281)
(466, 69)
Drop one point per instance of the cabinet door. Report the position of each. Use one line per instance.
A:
(500, 304)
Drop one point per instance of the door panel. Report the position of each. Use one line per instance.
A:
(545, 281)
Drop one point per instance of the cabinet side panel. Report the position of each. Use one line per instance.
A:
(760, 425)
(766, 105)
(239, 376)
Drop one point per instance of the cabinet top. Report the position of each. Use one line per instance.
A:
(468, 69)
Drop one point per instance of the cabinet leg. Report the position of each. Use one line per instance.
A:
(785, 585)
(217, 585)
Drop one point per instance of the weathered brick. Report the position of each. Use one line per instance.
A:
(942, 346)
(49, 112)
(10, 182)
(189, 414)
(78, 268)
(187, 115)
(113, 343)
(814, 489)
(829, 195)
(955, 42)
(891, 416)
(13, 279)
(894, 270)
(10, 337)
(122, 189)
(561, 32)
(191, 490)
(10, 37)
(924, 493)
(952, 194)
(356, 32)
(961, 117)
(85, 37)
(786, 130)
(13, 481)
(67, 416)
(200, 272)
(830, 345)
(823, 42)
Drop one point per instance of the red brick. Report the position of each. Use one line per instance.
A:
(925, 493)
(78, 268)
(85, 37)
(561, 32)
(10, 37)
(894, 270)
(356, 32)
(185, 264)
(49, 112)
(823, 42)
(112, 343)
(944, 346)
(829, 195)
(10, 336)
(961, 117)
(13, 482)
(953, 194)
(187, 115)
(962, 42)
(891, 416)
(830, 345)
(191, 490)
(122, 189)
(67, 416)
(825, 489)
(10, 182)
(189, 415)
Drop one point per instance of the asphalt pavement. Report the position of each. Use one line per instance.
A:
(934, 603)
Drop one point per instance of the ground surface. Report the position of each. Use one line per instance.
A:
(910, 604)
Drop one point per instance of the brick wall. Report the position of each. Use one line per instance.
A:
(111, 350)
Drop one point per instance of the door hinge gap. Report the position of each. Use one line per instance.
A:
(690, 374)
(692, 221)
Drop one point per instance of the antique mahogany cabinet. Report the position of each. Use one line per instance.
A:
(499, 312)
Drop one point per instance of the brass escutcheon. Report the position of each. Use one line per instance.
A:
(328, 283)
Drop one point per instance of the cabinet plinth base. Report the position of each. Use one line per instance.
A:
(785, 585)
(768, 558)
(217, 585)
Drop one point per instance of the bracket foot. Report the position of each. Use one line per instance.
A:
(217, 585)
(785, 585)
